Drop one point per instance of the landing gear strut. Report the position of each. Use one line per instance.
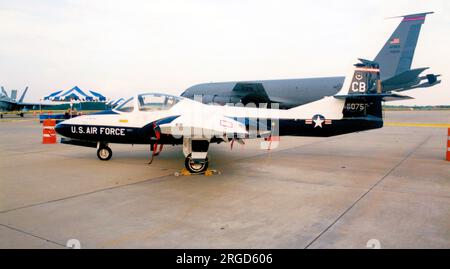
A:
(195, 151)
(104, 153)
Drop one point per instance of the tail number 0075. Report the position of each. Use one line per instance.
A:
(356, 106)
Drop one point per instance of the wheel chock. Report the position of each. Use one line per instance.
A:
(185, 172)
(208, 173)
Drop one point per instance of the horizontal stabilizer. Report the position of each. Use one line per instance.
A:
(410, 80)
(405, 77)
(375, 96)
(425, 85)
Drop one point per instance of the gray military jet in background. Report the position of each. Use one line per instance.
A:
(8, 103)
(395, 59)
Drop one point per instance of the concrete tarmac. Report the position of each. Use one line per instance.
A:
(391, 185)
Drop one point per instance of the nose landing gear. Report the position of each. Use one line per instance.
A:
(104, 152)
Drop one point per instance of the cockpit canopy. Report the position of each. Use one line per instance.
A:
(127, 106)
(149, 102)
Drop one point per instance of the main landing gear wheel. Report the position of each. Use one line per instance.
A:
(195, 168)
(104, 153)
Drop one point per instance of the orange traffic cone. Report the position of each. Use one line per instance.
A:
(448, 145)
(49, 133)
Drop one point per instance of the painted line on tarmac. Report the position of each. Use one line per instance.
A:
(412, 124)
(368, 191)
(153, 180)
(30, 234)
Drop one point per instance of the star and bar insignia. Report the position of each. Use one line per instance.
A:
(318, 121)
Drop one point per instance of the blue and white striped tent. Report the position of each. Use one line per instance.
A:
(75, 94)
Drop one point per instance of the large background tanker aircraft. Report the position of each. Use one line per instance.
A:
(159, 119)
(395, 60)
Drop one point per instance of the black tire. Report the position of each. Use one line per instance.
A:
(195, 168)
(21, 115)
(104, 153)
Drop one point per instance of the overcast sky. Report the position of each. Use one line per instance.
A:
(120, 47)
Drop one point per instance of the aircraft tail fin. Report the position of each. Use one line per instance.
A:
(4, 92)
(397, 54)
(23, 95)
(365, 94)
(13, 95)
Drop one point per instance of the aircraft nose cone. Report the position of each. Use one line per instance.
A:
(58, 128)
(62, 129)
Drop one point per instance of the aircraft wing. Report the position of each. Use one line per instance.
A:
(32, 104)
(22, 105)
(203, 127)
(7, 101)
(26, 105)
